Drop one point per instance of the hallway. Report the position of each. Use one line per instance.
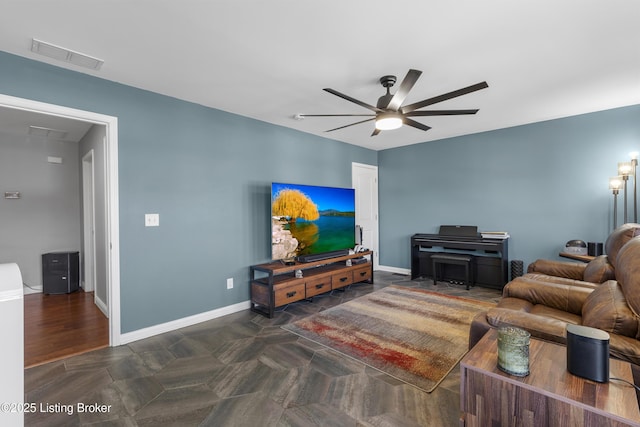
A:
(59, 326)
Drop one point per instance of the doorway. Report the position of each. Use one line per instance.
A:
(112, 248)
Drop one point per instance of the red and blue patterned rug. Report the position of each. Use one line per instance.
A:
(414, 335)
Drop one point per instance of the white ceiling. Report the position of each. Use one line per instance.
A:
(16, 123)
(270, 60)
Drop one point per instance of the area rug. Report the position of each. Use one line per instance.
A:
(414, 335)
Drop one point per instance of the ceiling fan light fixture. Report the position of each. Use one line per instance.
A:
(388, 121)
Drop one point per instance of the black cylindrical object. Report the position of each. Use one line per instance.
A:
(517, 268)
(595, 248)
(588, 353)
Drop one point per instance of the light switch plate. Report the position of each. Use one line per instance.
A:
(151, 220)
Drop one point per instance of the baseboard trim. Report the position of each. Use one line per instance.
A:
(101, 305)
(181, 323)
(395, 269)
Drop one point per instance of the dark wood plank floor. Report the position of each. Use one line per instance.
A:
(59, 326)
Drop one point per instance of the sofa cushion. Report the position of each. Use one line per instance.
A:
(516, 304)
(606, 308)
(599, 270)
(554, 313)
(618, 238)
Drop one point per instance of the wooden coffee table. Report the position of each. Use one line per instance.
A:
(548, 396)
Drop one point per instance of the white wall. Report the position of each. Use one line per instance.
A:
(47, 216)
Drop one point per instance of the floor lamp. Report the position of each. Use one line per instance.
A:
(634, 165)
(624, 170)
(615, 183)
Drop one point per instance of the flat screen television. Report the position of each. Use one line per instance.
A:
(311, 222)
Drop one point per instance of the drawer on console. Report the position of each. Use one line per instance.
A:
(339, 280)
(289, 294)
(318, 285)
(361, 274)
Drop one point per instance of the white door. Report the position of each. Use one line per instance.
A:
(364, 179)
(88, 222)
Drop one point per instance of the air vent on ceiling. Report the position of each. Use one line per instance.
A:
(47, 132)
(66, 55)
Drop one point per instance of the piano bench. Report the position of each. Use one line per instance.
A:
(454, 259)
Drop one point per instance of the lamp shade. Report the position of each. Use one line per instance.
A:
(388, 121)
(625, 168)
(615, 183)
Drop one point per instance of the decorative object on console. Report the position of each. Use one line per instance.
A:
(615, 182)
(577, 247)
(513, 351)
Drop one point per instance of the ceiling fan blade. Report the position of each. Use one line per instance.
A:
(375, 132)
(403, 90)
(444, 97)
(415, 124)
(355, 101)
(335, 115)
(352, 124)
(439, 113)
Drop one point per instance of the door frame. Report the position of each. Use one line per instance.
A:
(112, 202)
(88, 223)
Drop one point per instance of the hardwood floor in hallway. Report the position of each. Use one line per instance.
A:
(60, 326)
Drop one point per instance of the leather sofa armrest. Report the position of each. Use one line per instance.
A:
(624, 348)
(570, 270)
(479, 327)
(541, 327)
(555, 295)
(555, 279)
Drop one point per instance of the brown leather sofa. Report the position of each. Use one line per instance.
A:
(553, 294)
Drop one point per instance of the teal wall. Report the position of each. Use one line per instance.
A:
(206, 172)
(545, 183)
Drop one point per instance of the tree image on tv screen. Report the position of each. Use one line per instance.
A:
(289, 206)
(309, 220)
(294, 204)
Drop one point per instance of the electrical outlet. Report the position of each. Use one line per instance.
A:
(151, 220)
(230, 283)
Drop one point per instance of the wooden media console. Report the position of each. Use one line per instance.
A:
(279, 285)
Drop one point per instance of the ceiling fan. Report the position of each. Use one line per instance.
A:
(389, 113)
